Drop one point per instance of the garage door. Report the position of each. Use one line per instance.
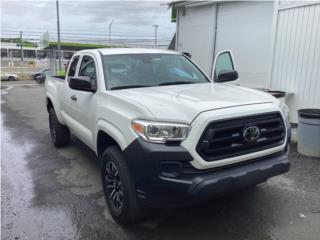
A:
(195, 34)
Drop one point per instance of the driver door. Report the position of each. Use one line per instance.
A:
(83, 102)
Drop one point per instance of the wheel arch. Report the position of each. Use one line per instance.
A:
(113, 131)
(105, 140)
(50, 103)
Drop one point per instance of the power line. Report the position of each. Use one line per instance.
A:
(80, 30)
(86, 37)
(142, 43)
(96, 40)
(88, 34)
(101, 39)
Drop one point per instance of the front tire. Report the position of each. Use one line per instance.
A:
(119, 189)
(60, 134)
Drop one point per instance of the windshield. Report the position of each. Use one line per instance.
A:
(146, 70)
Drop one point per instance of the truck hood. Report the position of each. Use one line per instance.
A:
(184, 102)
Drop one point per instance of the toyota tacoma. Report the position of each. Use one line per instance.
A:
(167, 134)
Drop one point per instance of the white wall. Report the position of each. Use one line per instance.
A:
(195, 34)
(296, 60)
(245, 28)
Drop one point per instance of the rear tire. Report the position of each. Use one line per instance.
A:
(11, 78)
(60, 134)
(119, 189)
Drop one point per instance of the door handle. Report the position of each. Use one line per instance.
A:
(73, 97)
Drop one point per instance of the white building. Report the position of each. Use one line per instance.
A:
(275, 45)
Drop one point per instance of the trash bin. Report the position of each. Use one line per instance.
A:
(309, 132)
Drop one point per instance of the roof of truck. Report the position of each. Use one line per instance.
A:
(111, 51)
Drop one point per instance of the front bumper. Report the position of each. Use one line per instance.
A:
(164, 176)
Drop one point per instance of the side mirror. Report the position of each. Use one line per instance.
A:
(223, 67)
(227, 76)
(82, 84)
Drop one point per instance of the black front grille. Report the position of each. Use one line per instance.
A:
(224, 138)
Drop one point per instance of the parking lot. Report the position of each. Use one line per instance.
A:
(50, 193)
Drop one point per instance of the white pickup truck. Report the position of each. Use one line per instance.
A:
(166, 134)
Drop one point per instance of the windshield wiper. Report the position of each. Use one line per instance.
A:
(175, 83)
(129, 86)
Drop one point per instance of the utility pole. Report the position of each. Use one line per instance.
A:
(21, 54)
(58, 30)
(110, 24)
(155, 33)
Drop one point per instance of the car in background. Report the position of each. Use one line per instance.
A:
(43, 72)
(9, 77)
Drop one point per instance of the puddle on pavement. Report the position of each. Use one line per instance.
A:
(82, 179)
(82, 174)
(20, 219)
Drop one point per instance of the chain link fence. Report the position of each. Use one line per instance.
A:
(33, 61)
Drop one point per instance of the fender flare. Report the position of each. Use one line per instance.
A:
(56, 107)
(113, 131)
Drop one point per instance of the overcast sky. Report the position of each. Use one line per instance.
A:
(87, 19)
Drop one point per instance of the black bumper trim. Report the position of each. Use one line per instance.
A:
(153, 188)
(240, 176)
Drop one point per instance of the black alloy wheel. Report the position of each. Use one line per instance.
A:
(119, 187)
(60, 134)
(52, 125)
(114, 186)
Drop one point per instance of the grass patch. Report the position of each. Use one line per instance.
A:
(79, 45)
(60, 73)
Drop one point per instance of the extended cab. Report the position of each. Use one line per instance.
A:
(166, 134)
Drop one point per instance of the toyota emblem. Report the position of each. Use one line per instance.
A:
(251, 133)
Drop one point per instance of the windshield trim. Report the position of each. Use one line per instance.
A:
(108, 88)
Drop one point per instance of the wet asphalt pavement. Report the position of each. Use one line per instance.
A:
(49, 193)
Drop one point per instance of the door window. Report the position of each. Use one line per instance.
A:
(73, 67)
(88, 69)
(223, 62)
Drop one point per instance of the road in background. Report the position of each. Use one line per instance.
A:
(50, 193)
(16, 68)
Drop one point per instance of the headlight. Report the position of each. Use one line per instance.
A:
(160, 132)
